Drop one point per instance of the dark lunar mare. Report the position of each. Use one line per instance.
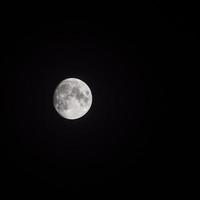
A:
(58, 102)
(61, 103)
(78, 94)
(64, 88)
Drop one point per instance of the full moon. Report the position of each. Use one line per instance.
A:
(72, 98)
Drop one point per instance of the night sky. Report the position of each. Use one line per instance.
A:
(130, 60)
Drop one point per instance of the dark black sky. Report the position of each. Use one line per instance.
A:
(131, 61)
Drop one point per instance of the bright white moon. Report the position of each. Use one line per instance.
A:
(72, 98)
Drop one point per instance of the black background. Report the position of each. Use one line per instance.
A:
(132, 59)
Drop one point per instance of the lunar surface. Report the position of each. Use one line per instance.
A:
(72, 98)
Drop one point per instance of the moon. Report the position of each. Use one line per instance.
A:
(72, 98)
